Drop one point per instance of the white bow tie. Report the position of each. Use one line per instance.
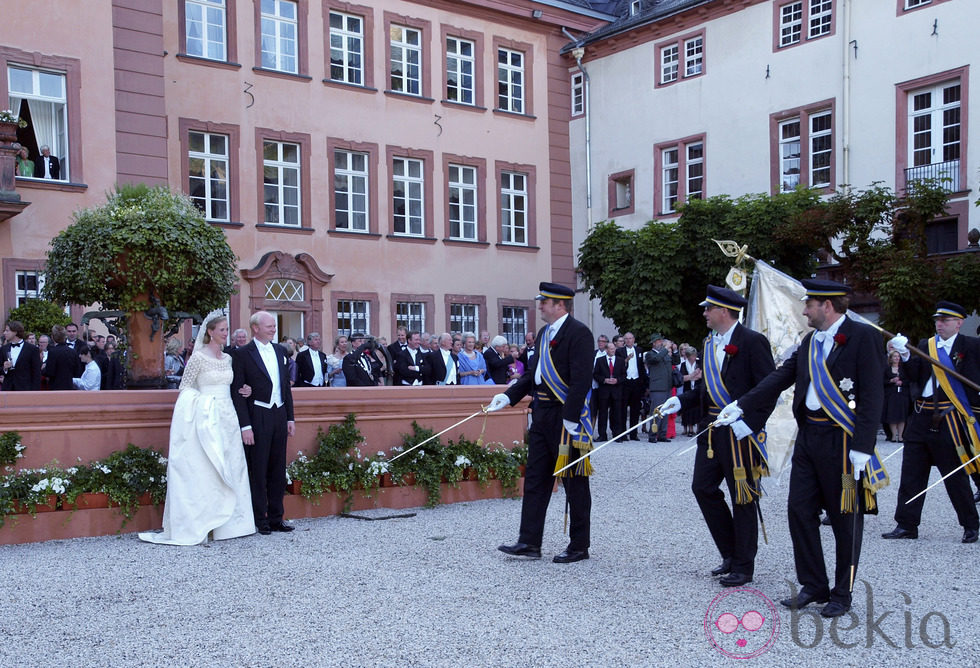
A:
(821, 336)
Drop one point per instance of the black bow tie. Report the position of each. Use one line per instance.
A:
(16, 345)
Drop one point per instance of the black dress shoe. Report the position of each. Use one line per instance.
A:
(834, 609)
(723, 568)
(735, 580)
(569, 556)
(804, 599)
(969, 535)
(521, 550)
(281, 526)
(264, 530)
(899, 532)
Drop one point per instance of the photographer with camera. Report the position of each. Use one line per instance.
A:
(357, 366)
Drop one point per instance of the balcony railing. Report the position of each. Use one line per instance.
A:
(947, 173)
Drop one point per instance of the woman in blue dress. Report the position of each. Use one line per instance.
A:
(472, 366)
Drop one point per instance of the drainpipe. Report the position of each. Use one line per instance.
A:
(846, 98)
(578, 53)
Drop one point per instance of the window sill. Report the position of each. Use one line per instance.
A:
(623, 211)
(343, 85)
(514, 114)
(462, 105)
(466, 243)
(520, 249)
(269, 227)
(198, 60)
(226, 223)
(409, 97)
(279, 74)
(31, 183)
(411, 239)
(354, 235)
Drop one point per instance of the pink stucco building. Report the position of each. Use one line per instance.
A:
(390, 162)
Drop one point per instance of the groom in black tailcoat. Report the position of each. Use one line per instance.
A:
(266, 419)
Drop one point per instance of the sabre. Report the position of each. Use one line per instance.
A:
(961, 466)
(912, 349)
(435, 436)
(857, 511)
(654, 415)
(892, 454)
(675, 453)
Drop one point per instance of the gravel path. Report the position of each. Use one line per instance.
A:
(432, 590)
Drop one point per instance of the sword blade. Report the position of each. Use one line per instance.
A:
(674, 453)
(961, 466)
(435, 436)
(892, 454)
(654, 415)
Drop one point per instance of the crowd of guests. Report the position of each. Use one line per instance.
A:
(44, 166)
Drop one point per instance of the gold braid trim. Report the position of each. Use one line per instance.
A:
(743, 490)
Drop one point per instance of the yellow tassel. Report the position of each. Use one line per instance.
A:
(711, 452)
(560, 464)
(584, 467)
(848, 495)
(743, 492)
(870, 502)
(479, 441)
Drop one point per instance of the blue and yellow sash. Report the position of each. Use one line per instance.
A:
(581, 441)
(836, 405)
(957, 395)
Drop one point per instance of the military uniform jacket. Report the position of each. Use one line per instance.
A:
(860, 359)
(571, 352)
(965, 354)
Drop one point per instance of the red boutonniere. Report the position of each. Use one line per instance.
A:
(959, 358)
(731, 350)
(552, 344)
(840, 339)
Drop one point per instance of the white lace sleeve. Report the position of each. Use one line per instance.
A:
(191, 372)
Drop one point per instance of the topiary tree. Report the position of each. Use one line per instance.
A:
(39, 315)
(144, 244)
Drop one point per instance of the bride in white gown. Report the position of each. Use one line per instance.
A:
(207, 478)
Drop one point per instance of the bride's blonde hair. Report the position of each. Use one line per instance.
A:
(211, 325)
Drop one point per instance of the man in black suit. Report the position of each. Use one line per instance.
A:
(442, 364)
(529, 349)
(838, 414)
(358, 364)
(568, 343)
(266, 419)
(634, 386)
(498, 358)
(938, 430)
(609, 373)
(737, 359)
(21, 360)
(62, 362)
(311, 364)
(394, 350)
(46, 166)
(410, 362)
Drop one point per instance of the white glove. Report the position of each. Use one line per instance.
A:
(670, 406)
(740, 429)
(729, 414)
(858, 459)
(570, 427)
(900, 344)
(499, 401)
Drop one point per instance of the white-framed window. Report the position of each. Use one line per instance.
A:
(462, 202)
(790, 23)
(669, 58)
(460, 68)
(789, 154)
(281, 180)
(279, 29)
(912, 4)
(207, 161)
(821, 18)
(464, 318)
(29, 284)
(821, 148)
(635, 7)
(205, 29)
(510, 80)
(514, 324)
(39, 96)
(346, 48)
(578, 94)
(513, 208)
(694, 56)
(695, 170)
(351, 184)
(285, 290)
(670, 169)
(353, 315)
(410, 315)
(935, 133)
(407, 199)
(406, 60)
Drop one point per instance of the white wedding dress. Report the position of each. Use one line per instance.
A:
(207, 478)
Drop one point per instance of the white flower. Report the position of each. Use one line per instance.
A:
(462, 461)
(378, 468)
(421, 453)
(350, 467)
(73, 470)
(381, 453)
(162, 460)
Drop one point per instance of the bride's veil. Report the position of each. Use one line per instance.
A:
(213, 315)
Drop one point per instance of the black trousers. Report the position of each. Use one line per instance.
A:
(815, 483)
(924, 449)
(608, 404)
(266, 460)
(632, 398)
(543, 438)
(736, 530)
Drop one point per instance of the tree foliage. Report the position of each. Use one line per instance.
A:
(142, 239)
(39, 315)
